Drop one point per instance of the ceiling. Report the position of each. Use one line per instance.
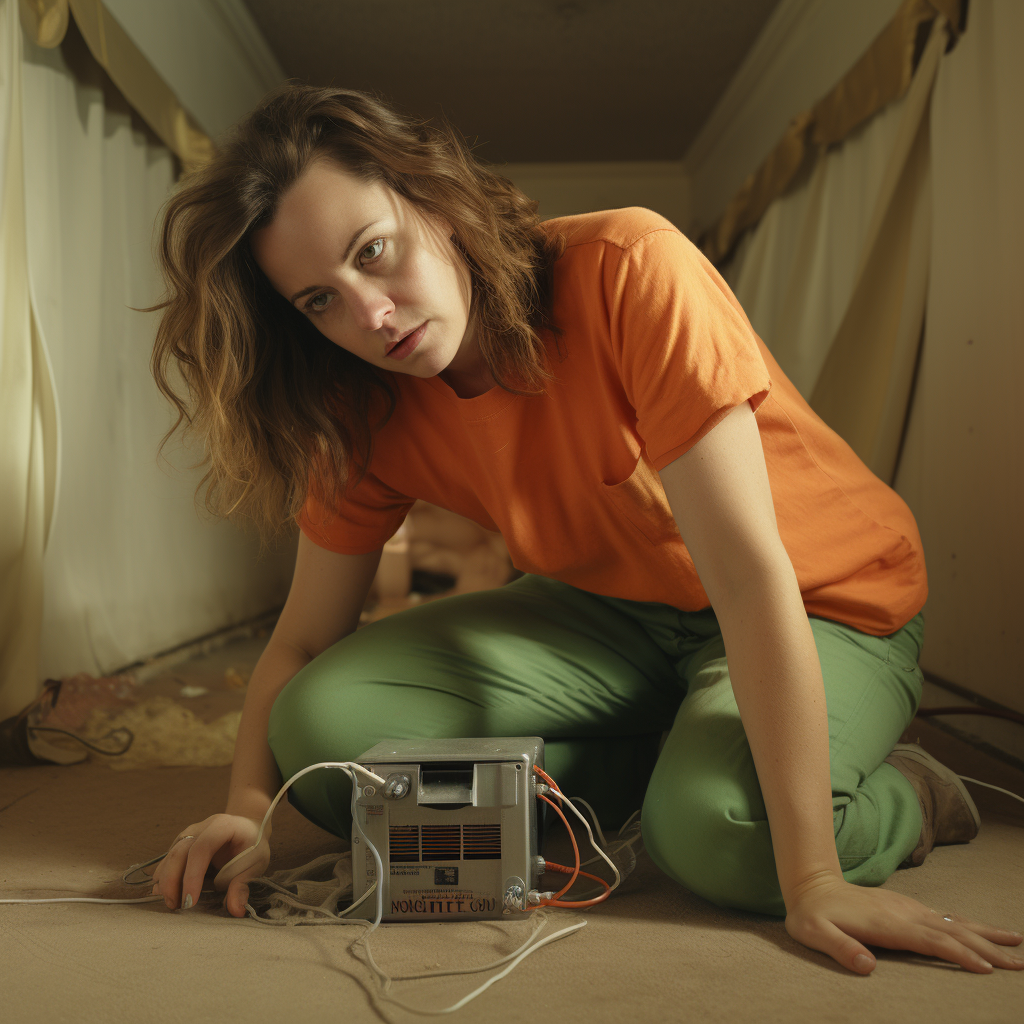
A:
(529, 80)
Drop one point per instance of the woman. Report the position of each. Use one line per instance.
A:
(364, 315)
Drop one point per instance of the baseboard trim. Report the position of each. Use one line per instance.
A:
(1000, 738)
(148, 668)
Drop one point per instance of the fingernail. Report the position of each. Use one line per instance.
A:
(187, 905)
(862, 962)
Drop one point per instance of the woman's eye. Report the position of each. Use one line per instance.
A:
(368, 254)
(312, 307)
(375, 248)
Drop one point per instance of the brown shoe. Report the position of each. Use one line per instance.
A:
(949, 813)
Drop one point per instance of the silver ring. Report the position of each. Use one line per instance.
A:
(179, 839)
(947, 919)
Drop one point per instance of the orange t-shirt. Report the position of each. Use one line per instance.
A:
(657, 351)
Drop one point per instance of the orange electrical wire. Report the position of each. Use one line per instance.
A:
(575, 849)
(550, 781)
(577, 903)
(575, 872)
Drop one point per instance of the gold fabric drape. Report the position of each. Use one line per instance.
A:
(881, 75)
(46, 22)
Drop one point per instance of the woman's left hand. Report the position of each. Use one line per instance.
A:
(836, 917)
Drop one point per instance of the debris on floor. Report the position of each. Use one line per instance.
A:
(116, 721)
(70, 701)
(235, 679)
(165, 734)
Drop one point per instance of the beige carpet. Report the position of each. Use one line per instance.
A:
(654, 952)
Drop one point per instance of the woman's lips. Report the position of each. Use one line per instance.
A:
(407, 344)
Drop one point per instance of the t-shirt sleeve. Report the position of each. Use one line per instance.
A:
(686, 352)
(369, 516)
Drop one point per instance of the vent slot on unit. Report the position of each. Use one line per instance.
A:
(481, 842)
(408, 843)
(404, 842)
(441, 842)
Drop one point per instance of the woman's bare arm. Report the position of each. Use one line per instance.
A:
(324, 603)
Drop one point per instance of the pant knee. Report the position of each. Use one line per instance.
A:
(720, 855)
(319, 718)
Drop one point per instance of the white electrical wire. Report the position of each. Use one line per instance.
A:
(292, 901)
(89, 899)
(608, 847)
(597, 824)
(538, 917)
(586, 824)
(490, 981)
(344, 765)
(385, 981)
(990, 786)
(611, 848)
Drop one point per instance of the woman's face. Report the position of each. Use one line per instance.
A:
(366, 267)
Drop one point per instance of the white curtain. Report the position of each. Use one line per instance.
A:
(834, 276)
(130, 569)
(28, 416)
(794, 273)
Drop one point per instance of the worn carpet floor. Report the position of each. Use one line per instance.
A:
(654, 952)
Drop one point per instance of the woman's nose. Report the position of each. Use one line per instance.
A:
(370, 305)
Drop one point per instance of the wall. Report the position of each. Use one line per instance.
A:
(962, 470)
(209, 52)
(213, 56)
(568, 188)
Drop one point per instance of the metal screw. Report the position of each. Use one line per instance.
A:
(397, 786)
(514, 896)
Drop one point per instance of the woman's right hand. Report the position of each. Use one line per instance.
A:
(218, 839)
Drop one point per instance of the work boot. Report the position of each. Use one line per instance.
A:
(948, 812)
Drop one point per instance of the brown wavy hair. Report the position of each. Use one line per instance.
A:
(278, 407)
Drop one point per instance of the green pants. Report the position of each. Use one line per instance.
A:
(601, 679)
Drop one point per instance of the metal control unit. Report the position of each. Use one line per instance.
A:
(455, 825)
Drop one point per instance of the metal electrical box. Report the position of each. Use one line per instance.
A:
(455, 826)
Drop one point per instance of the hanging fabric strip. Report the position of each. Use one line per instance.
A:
(863, 390)
(882, 75)
(45, 21)
(141, 85)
